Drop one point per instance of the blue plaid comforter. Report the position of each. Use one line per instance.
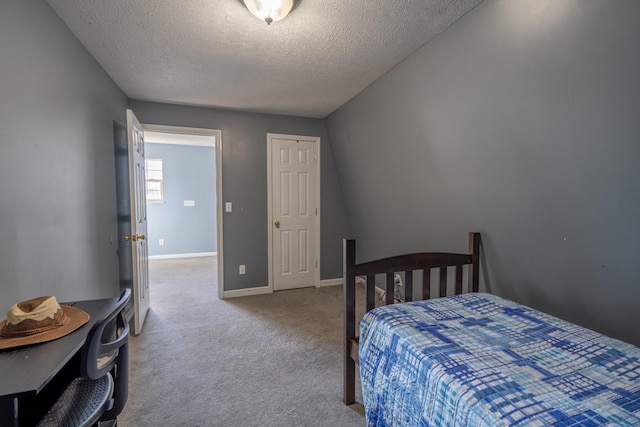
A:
(480, 360)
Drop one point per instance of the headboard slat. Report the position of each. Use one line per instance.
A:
(443, 282)
(370, 289)
(408, 286)
(426, 284)
(389, 288)
(458, 279)
(474, 249)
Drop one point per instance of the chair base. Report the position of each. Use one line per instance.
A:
(66, 412)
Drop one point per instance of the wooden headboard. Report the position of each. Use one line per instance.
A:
(407, 264)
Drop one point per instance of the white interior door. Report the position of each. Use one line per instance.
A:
(294, 211)
(138, 236)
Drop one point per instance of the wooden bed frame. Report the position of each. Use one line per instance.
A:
(389, 267)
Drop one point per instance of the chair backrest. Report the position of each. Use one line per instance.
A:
(107, 350)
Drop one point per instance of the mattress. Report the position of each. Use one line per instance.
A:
(480, 360)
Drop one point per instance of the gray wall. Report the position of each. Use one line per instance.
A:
(521, 121)
(189, 173)
(244, 180)
(57, 185)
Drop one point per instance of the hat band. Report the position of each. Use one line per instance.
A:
(25, 332)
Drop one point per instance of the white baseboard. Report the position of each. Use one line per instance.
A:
(330, 282)
(192, 255)
(267, 290)
(246, 292)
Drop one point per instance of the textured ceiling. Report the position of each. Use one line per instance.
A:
(215, 53)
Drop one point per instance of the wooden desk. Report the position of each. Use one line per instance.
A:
(25, 371)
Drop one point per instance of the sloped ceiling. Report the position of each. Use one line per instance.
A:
(215, 53)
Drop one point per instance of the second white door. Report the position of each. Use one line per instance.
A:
(294, 165)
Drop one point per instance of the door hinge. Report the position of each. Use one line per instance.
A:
(315, 159)
(316, 263)
(316, 211)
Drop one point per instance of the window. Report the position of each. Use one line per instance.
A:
(154, 180)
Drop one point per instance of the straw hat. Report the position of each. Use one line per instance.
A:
(39, 320)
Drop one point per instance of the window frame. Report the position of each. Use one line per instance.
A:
(159, 181)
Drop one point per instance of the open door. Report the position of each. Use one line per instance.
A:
(138, 218)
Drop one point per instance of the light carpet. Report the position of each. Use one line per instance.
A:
(264, 360)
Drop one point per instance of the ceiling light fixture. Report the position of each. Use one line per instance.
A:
(270, 10)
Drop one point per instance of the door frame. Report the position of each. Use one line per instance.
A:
(316, 140)
(125, 263)
(217, 134)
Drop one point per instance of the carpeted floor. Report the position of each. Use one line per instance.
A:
(264, 360)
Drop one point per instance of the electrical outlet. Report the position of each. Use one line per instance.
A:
(161, 242)
(242, 269)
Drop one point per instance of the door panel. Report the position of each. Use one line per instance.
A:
(138, 236)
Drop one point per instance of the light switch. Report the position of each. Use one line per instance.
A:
(227, 207)
(189, 202)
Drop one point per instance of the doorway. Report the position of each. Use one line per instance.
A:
(214, 139)
(186, 217)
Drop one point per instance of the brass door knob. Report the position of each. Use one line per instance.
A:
(135, 238)
(277, 224)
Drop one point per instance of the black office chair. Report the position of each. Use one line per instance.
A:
(101, 392)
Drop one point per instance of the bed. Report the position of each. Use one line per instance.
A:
(468, 358)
